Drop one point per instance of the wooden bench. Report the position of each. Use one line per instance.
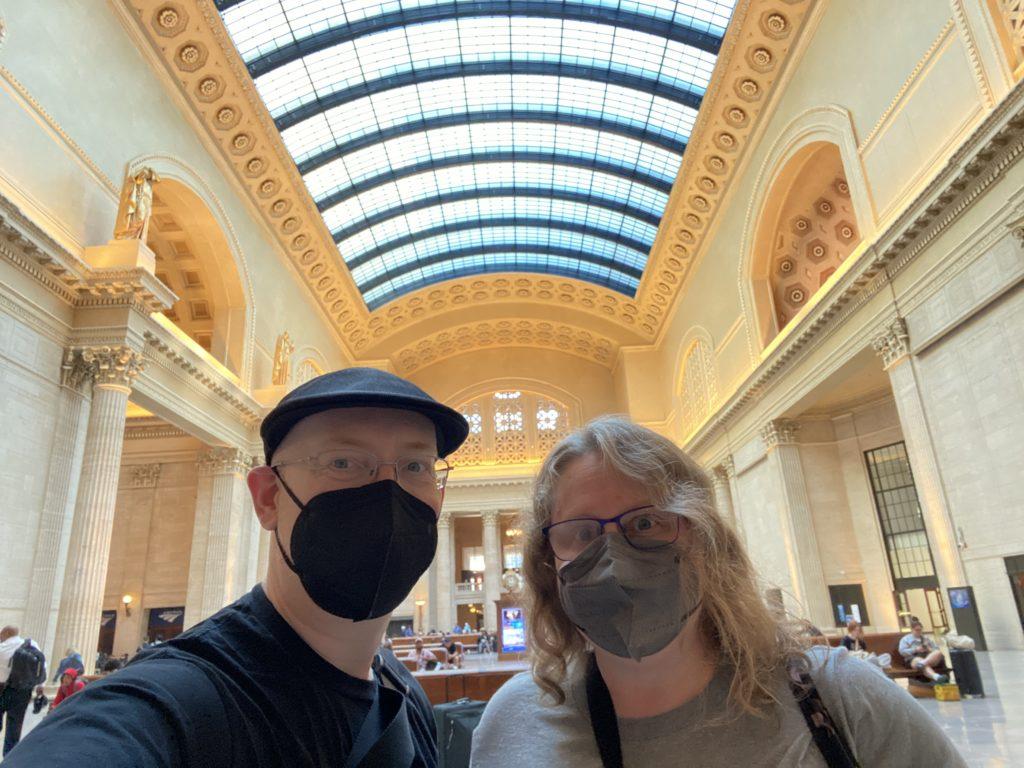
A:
(442, 687)
(889, 642)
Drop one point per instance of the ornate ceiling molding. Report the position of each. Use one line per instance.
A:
(754, 52)
(506, 333)
(190, 38)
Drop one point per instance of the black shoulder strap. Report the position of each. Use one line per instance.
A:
(602, 717)
(826, 734)
(384, 737)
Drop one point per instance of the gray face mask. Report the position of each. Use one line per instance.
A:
(630, 602)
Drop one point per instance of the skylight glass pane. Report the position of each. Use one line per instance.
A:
(414, 156)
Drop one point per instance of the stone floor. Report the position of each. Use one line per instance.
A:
(989, 731)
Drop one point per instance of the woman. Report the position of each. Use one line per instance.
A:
(651, 646)
(69, 685)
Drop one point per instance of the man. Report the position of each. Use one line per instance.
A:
(422, 657)
(921, 653)
(290, 675)
(21, 670)
(72, 660)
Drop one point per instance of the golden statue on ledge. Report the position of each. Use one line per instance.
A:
(138, 205)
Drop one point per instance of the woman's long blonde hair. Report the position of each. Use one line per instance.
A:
(734, 619)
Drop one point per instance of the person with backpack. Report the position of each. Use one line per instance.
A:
(22, 668)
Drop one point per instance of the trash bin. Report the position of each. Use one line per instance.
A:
(965, 670)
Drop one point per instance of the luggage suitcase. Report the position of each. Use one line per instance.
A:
(455, 722)
(965, 672)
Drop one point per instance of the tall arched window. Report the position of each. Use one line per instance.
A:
(698, 387)
(511, 426)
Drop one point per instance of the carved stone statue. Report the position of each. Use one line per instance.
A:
(282, 360)
(138, 205)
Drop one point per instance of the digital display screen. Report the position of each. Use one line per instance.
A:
(513, 630)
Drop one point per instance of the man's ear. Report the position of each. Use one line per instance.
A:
(263, 486)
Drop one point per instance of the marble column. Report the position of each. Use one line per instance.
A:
(252, 527)
(721, 477)
(798, 523)
(445, 576)
(432, 596)
(492, 567)
(893, 345)
(266, 540)
(224, 566)
(62, 479)
(111, 370)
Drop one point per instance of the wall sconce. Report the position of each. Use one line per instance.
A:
(127, 602)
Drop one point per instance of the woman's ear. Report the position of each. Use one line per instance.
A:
(262, 484)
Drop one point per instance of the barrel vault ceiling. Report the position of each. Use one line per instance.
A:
(450, 175)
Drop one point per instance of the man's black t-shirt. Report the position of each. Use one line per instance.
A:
(239, 689)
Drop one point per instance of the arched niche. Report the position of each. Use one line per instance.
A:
(194, 260)
(800, 168)
(808, 227)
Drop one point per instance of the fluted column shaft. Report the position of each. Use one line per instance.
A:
(445, 577)
(263, 559)
(798, 525)
(78, 625)
(492, 568)
(62, 480)
(225, 565)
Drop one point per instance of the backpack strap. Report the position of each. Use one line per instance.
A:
(826, 733)
(602, 717)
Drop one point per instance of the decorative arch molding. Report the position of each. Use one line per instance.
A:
(171, 168)
(829, 124)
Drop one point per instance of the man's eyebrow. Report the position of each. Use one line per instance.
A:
(345, 442)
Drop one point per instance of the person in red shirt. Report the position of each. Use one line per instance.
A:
(69, 685)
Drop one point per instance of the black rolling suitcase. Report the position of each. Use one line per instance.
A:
(455, 722)
(965, 672)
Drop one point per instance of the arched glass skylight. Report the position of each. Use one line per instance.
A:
(449, 138)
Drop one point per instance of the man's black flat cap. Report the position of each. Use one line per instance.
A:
(361, 388)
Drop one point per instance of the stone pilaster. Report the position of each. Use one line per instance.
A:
(492, 567)
(445, 576)
(893, 345)
(62, 479)
(111, 371)
(798, 523)
(263, 561)
(218, 564)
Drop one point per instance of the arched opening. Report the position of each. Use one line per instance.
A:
(194, 260)
(807, 229)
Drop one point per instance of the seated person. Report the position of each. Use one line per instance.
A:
(854, 639)
(69, 685)
(854, 643)
(456, 656)
(466, 629)
(424, 659)
(486, 643)
(456, 630)
(921, 653)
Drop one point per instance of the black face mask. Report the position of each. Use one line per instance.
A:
(359, 551)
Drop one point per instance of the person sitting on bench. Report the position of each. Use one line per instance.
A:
(921, 653)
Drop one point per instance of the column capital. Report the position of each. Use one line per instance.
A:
(224, 461)
(143, 475)
(779, 432)
(725, 471)
(112, 367)
(893, 343)
(491, 516)
(444, 520)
